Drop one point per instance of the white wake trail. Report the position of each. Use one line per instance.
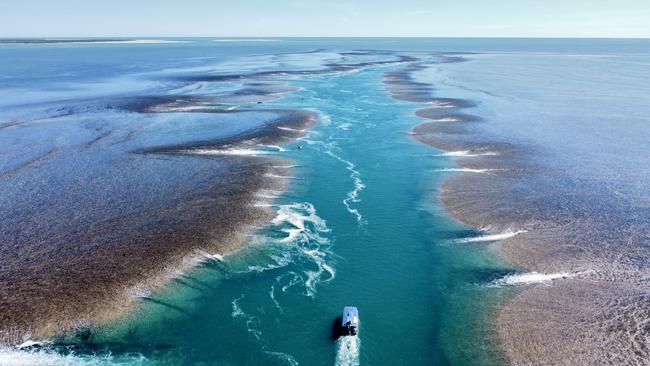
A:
(347, 351)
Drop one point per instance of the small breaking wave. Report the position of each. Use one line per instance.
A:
(298, 215)
(532, 278)
(240, 152)
(491, 237)
(305, 230)
(465, 170)
(290, 166)
(441, 104)
(259, 150)
(347, 351)
(268, 194)
(47, 357)
(273, 148)
(283, 128)
(212, 257)
(140, 292)
(467, 154)
(31, 343)
(446, 119)
(297, 237)
(278, 176)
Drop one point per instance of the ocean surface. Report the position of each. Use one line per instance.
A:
(220, 202)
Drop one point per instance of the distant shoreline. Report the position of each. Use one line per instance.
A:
(88, 41)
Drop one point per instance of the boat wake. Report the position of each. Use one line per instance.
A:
(347, 351)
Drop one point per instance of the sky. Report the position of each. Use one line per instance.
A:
(333, 18)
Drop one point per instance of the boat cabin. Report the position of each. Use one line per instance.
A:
(350, 322)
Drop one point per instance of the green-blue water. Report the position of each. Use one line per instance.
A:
(390, 253)
(360, 222)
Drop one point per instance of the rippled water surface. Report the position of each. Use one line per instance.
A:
(180, 141)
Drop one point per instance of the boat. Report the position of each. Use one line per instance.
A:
(350, 322)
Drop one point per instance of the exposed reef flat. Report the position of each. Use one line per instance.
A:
(563, 225)
(118, 193)
(92, 223)
(111, 236)
(340, 66)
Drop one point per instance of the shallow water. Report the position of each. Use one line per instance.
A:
(570, 130)
(360, 223)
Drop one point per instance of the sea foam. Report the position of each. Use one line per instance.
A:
(301, 242)
(46, 357)
(283, 128)
(242, 152)
(286, 358)
(347, 351)
(467, 154)
(353, 195)
(447, 119)
(252, 322)
(491, 237)
(273, 148)
(465, 170)
(531, 278)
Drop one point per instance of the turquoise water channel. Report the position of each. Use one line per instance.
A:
(361, 224)
(361, 221)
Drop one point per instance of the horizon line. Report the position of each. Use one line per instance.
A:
(351, 36)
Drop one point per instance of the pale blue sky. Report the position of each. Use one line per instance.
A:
(432, 18)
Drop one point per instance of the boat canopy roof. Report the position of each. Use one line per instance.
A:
(350, 314)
